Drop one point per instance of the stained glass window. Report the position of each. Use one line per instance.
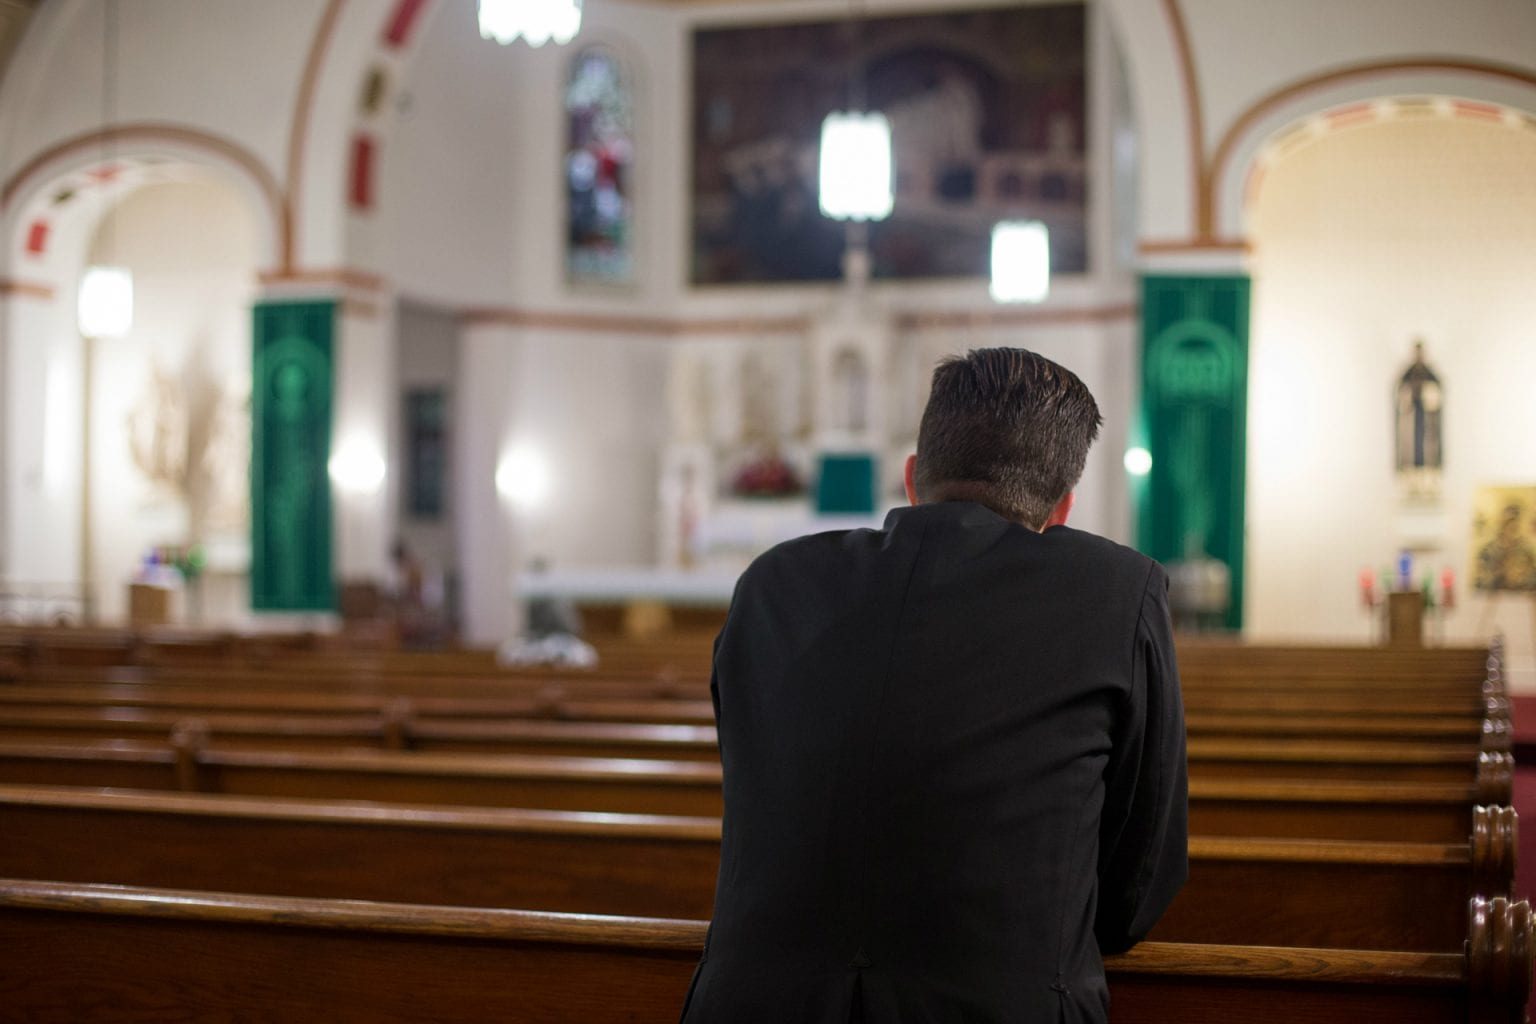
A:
(598, 169)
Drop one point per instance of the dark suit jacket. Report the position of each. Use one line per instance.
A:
(954, 774)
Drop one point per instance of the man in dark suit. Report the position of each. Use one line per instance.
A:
(953, 747)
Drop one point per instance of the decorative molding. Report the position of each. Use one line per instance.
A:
(1245, 122)
(1354, 115)
(1154, 246)
(1195, 110)
(599, 323)
(360, 181)
(678, 327)
(298, 130)
(1015, 316)
(26, 289)
(402, 22)
(346, 277)
(151, 133)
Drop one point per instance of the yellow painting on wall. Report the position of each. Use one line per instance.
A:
(1504, 539)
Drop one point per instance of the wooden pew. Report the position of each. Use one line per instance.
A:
(391, 729)
(317, 677)
(84, 953)
(548, 704)
(398, 725)
(1491, 730)
(554, 783)
(1276, 892)
(636, 786)
(644, 865)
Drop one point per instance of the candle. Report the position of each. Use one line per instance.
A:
(1368, 588)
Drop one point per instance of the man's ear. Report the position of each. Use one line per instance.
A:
(1058, 516)
(909, 476)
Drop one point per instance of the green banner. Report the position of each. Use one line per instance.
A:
(1194, 370)
(290, 446)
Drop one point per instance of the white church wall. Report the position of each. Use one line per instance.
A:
(591, 411)
(364, 514)
(41, 372)
(447, 222)
(192, 249)
(222, 71)
(192, 326)
(487, 369)
(1366, 239)
(427, 360)
(1249, 48)
(40, 429)
(1242, 51)
(574, 430)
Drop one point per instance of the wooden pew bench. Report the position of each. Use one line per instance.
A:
(386, 730)
(404, 718)
(1270, 891)
(399, 725)
(631, 785)
(85, 953)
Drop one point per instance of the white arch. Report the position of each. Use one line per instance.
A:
(1243, 144)
(27, 194)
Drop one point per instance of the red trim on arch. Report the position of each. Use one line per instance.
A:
(150, 133)
(37, 238)
(403, 22)
(1485, 111)
(360, 191)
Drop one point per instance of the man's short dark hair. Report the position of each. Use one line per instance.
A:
(1007, 428)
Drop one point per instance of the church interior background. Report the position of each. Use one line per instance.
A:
(575, 304)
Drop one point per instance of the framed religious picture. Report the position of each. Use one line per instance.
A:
(988, 116)
(1504, 539)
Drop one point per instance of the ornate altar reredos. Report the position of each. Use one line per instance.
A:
(753, 421)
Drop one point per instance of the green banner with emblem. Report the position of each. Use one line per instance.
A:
(291, 400)
(1194, 368)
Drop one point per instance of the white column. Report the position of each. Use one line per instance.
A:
(484, 399)
(41, 453)
(364, 511)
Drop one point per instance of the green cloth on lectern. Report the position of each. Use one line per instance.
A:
(846, 485)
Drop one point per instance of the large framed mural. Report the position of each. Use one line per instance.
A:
(988, 121)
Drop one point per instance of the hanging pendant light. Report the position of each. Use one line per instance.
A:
(537, 21)
(1021, 261)
(856, 166)
(104, 306)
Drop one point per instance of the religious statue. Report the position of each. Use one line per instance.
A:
(1420, 403)
(850, 378)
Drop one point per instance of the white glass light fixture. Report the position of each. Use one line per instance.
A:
(537, 21)
(104, 308)
(1021, 261)
(358, 468)
(522, 478)
(856, 166)
(1138, 461)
